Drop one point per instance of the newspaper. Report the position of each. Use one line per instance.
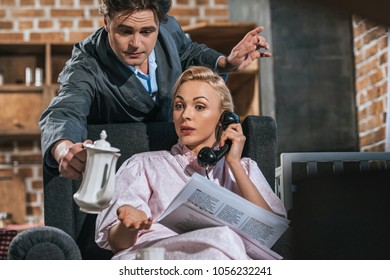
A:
(203, 204)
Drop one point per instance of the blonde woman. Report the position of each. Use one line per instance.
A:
(147, 182)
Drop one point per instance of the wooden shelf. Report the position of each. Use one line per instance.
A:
(20, 88)
(23, 105)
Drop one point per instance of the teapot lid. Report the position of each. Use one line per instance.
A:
(102, 144)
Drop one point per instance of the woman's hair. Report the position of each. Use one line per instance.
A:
(110, 8)
(204, 74)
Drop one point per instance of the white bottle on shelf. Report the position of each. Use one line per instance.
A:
(28, 76)
(38, 76)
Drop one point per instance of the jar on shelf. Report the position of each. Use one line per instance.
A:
(28, 76)
(1, 77)
(38, 76)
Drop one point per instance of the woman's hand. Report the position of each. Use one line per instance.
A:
(133, 218)
(234, 133)
(124, 234)
(233, 158)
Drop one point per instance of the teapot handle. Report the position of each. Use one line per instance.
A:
(107, 172)
(105, 177)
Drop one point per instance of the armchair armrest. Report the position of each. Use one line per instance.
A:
(43, 243)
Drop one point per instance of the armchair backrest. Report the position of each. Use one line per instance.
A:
(131, 138)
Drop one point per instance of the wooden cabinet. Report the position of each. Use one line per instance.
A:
(244, 85)
(21, 103)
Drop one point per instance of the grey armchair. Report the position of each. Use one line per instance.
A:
(69, 233)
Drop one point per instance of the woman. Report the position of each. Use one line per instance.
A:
(147, 182)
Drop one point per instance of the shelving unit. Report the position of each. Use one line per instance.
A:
(244, 85)
(22, 105)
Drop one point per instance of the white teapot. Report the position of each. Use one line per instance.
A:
(98, 184)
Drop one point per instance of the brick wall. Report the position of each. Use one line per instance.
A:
(196, 11)
(69, 21)
(20, 162)
(73, 20)
(371, 59)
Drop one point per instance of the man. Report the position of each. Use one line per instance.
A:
(124, 72)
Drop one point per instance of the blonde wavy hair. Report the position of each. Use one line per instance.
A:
(205, 74)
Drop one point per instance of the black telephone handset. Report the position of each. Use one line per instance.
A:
(209, 157)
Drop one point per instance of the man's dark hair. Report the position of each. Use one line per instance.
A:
(165, 5)
(111, 8)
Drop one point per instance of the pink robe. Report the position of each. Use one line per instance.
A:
(150, 181)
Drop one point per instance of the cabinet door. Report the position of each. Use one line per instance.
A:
(20, 110)
(244, 87)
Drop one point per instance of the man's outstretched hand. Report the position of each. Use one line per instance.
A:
(251, 47)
